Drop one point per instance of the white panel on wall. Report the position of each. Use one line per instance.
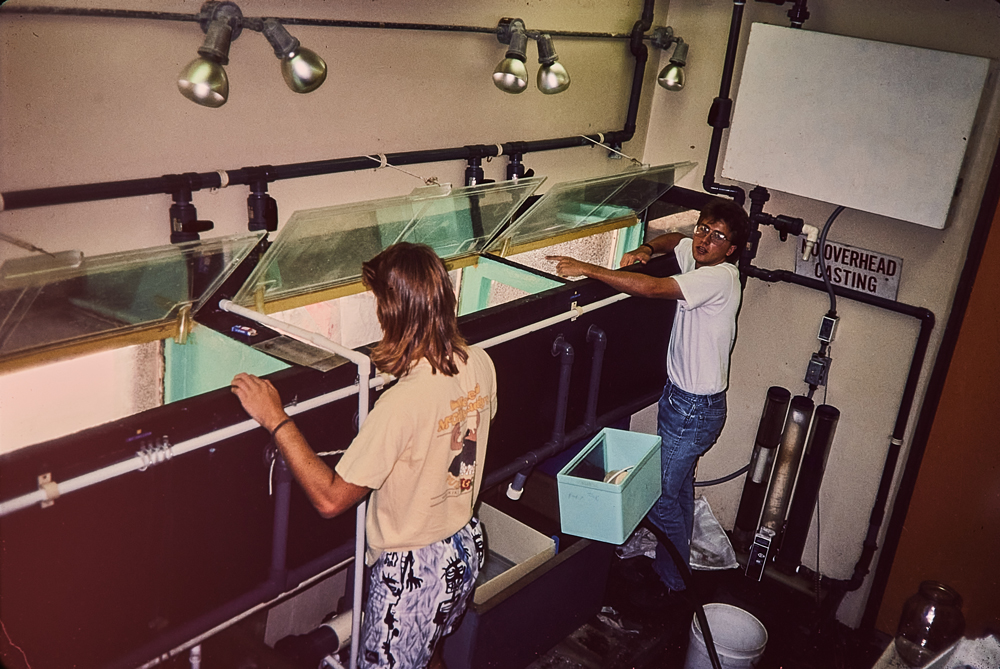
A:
(869, 125)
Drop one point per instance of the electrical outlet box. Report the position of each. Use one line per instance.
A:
(827, 327)
(819, 368)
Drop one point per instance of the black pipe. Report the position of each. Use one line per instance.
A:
(840, 587)
(599, 340)
(641, 54)
(578, 434)
(253, 23)
(807, 489)
(719, 115)
(564, 350)
(765, 445)
(40, 197)
(685, 572)
(279, 531)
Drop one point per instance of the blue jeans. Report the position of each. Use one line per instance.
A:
(688, 426)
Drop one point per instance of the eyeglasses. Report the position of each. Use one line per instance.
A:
(715, 236)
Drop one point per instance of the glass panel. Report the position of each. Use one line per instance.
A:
(580, 204)
(46, 304)
(321, 248)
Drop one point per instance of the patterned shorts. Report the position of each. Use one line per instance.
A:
(416, 597)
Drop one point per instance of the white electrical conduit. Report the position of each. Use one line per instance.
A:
(138, 463)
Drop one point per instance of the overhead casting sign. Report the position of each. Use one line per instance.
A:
(850, 267)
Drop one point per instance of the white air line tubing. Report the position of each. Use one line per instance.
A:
(136, 463)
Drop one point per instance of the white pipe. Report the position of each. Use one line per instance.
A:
(364, 364)
(572, 314)
(137, 463)
(235, 619)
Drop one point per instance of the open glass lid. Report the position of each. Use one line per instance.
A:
(65, 298)
(317, 255)
(576, 208)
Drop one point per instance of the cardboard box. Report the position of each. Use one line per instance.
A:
(605, 491)
(513, 550)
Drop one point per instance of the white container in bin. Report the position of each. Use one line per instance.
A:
(605, 491)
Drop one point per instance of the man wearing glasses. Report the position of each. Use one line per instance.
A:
(692, 409)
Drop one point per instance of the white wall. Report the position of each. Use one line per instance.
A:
(779, 322)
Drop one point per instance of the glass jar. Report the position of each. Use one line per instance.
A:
(932, 621)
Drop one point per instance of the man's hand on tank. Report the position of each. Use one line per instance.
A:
(639, 256)
(567, 267)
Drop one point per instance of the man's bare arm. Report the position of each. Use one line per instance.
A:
(662, 244)
(633, 283)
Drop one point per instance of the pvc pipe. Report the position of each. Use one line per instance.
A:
(599, 339)
(238, 604)
(208, 439)
(765, 446)
(572, 314)
(561, 348)
(364, 364)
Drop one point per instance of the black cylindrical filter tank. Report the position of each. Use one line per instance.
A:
(786, 464)
(765, 445)
(807, 489)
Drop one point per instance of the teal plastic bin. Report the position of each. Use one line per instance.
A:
(605, 491)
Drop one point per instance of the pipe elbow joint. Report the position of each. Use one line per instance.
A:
(561, 347)
(597, 337)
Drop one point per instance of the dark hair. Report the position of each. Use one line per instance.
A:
(415, 304)
(732, 214)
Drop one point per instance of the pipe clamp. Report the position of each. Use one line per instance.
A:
(50, 488)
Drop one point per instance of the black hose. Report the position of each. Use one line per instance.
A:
(728, 477)
(685, 573)
(822, 259)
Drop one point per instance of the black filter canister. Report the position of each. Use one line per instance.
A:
(772, 419)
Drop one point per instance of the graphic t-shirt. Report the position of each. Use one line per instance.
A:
(421, 450)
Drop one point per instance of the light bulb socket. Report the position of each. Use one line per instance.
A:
(546, 50)
(281, 40)
(518, 48)
(217, 41)
(680, 54)
(222, 22)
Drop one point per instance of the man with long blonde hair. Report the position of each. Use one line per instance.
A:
(425, 548)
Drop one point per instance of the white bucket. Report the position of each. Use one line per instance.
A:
(739, 639)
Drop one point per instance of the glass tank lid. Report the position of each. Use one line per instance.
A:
(319, 250)
(65, 298)
(575, 206)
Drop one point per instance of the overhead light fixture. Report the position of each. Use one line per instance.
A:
(304, 71)
(552, 76)
(204, 79)
(672, 76)
(511, 75)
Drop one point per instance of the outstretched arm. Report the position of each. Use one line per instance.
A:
(662, 244)
(328, 492)
(633, 283)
